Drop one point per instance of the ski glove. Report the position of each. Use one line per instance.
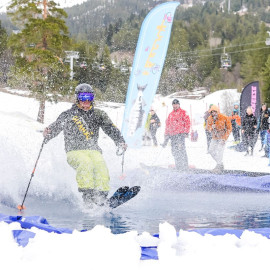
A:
(121, 148)
(46, 134)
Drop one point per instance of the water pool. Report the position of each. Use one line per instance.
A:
(184, 210)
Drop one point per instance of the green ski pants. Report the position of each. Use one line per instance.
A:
(91, 169)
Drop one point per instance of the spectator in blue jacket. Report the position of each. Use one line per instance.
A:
(262, 123)
(267, 144)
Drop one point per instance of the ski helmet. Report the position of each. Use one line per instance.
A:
(176, 101)
(83, 90)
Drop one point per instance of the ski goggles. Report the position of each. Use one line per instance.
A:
(85, 96)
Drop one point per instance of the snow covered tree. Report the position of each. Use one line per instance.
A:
(39, 46)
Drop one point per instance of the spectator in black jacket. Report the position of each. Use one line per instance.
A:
(249, 125)
(262, 126)
(154, 125)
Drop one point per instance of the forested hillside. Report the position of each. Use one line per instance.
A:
(88, 21)
(105, 33)
(201, 36)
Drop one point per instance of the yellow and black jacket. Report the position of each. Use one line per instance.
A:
(81, 128)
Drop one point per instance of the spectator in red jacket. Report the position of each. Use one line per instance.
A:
(177, 129)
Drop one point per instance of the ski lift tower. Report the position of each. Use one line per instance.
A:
(70, 56)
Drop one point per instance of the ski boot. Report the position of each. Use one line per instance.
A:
(93, 197)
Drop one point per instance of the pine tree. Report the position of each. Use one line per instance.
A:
(5, 59)
(105, 70)
(109, 35)
(3, 39)
(255, 60)
(266, 82)
(39, 48)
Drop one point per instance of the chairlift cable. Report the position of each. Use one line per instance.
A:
(216, 54)
(219, 48)
(194, 53)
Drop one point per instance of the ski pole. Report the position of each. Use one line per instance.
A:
(21, 206)
(118, 153)
(122, 163)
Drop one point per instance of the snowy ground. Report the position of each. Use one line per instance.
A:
(20, 141)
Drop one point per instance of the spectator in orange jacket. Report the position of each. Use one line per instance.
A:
(177, 129)
(220, 127)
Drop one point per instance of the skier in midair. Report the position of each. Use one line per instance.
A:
(80, 125)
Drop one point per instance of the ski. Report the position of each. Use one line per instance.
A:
(122, 195)
(119, 197)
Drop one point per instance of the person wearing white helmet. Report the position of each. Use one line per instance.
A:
(81, 124)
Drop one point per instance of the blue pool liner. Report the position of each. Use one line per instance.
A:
(147, 252)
